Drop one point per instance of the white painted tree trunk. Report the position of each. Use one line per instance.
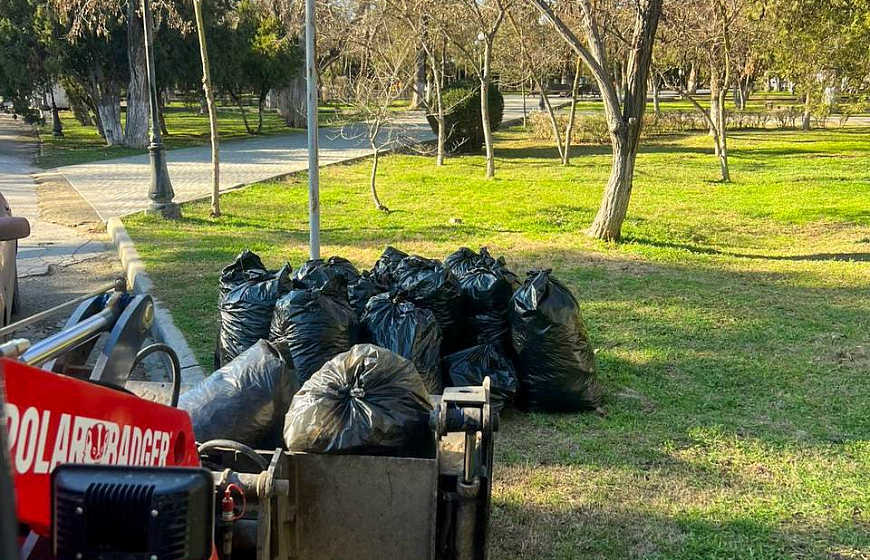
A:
(485, 84)
(107, 102)
(136, 126)
(292, 103)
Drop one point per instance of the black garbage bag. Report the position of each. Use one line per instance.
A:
(470, 366)
(430, 285)
(461, 261)
(367, 401)
(410, 332)
(246, 313)
(361, 290)
(311, 326)
(555, 360)
(246, 267)
(385, 268)
(315, 273)
(486, 294)
(487, 261)
(465, 260)
(244, 401)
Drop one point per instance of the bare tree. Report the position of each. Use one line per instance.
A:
(703, 30)
(625, 119)
(383, 52)
(484, 17)
(212, 112)
(422, 20)
(543, 58)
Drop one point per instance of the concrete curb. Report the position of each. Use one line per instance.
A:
(140, 283)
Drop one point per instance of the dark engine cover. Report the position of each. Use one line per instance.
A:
(132, 513)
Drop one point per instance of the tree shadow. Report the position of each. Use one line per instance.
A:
(843, 257)
(538, 531)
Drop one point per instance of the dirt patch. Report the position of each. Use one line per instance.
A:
(60, 203)
(39, 293)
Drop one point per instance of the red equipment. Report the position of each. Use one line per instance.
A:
(53, 419)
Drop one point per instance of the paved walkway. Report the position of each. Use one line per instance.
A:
(49, 245)
(120, 186)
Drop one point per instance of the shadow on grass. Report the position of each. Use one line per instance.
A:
(599, 531)
(843, 257)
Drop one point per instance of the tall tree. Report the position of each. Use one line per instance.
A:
(705, 31)
(384, 54)
(136, 124)
(473, 34)
(212, 111)
(813, 44)
(625, 119)
(422, 20)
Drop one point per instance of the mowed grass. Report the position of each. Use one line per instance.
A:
(732, 328)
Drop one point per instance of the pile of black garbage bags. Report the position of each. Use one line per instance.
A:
(328, 359)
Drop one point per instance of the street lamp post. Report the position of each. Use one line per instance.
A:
(313, 163)
(161, 192)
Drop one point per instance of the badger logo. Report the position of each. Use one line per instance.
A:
(97, 437)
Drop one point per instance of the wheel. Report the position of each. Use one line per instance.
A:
(16, 299)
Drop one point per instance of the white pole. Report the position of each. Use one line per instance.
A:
(313, 169)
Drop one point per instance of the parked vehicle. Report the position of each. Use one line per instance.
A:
(11, 230)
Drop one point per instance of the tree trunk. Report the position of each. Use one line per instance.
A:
(212, 111)
(625, 119)
(485, 83)
(439, 117)
(136, 127)
(373, 179)
(260, 106)
(292, 103)
(722, 137)
(523, 94)
(161, 112)
(692, 80)
(745, 93)
(56, 125)
(714, 113)
(657, 106)
(107, 102)
(557, 135)
(569, 128)
(807, 122)
(617, 194)
(240, 105)
(81, 114)
(419, 90)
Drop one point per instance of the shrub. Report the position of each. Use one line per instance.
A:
(462, 121)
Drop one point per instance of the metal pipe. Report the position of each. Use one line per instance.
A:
(466, 519)
(313, 163)
(54, 310)
(468, 470)
(70, 338)
(249, 484)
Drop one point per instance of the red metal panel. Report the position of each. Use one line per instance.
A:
(53, 419)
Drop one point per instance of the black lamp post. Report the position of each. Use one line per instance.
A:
(160, 193)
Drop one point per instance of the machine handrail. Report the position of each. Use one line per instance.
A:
(42, 315)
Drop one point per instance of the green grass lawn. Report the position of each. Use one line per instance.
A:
(82, 144)
(732, 327)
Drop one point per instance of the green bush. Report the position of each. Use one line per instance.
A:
(462, 119)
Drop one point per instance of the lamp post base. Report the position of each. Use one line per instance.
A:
(165, 210)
